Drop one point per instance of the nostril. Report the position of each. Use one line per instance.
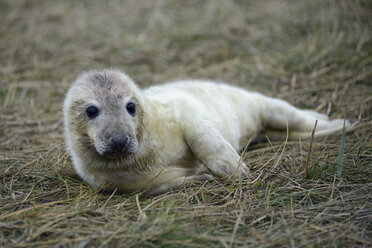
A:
(118, 143)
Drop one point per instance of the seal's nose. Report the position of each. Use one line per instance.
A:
(118, 143)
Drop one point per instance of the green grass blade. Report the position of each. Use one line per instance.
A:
(341, 152)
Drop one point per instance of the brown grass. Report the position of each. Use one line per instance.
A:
(315, 54)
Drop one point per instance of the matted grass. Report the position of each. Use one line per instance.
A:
(315, 54)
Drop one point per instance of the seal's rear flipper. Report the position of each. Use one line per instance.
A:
(279, 116)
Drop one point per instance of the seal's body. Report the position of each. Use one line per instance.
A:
(120, 136)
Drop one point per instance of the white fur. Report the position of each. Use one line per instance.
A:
(193, 129)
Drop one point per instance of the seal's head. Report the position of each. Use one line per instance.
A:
(102, 115)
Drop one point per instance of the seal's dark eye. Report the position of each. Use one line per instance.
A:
(92, 112)
(131, 108)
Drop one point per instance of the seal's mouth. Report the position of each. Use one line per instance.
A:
(115, 154)
(111, 153)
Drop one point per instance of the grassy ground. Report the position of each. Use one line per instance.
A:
(315, 54)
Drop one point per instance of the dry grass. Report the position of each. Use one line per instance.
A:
(315, 54)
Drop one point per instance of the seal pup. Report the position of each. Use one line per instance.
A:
(121, 136)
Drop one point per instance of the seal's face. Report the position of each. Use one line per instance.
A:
(111, 125)
(104, 111)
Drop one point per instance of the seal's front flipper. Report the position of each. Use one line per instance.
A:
(212, 149)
